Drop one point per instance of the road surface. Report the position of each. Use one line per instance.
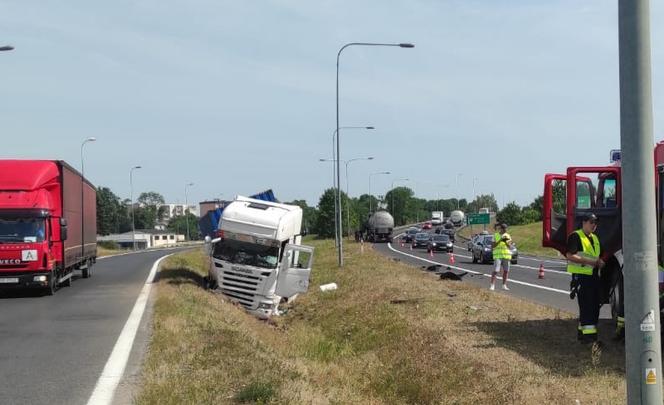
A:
(552, 291)
(53, 349)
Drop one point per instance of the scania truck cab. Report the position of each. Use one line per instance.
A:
(257, 259)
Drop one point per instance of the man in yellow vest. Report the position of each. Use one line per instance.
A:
(501, 254)
(584, 262)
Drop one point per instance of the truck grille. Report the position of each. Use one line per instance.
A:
(242, 287)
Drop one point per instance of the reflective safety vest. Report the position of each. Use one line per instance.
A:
(501, 251)
(590, 251)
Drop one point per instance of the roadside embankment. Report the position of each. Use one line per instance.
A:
(391, 333)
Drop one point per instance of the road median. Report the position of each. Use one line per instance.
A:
(391, 333)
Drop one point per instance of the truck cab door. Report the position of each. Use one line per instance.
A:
(294, 270)
(554, 212)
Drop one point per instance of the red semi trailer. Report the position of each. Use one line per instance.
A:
(48, 224)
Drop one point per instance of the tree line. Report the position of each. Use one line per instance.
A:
(114, 214)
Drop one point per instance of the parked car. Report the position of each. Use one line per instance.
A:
(427, 225)
(471, 242)
(483, 252)
(421, 240)
(450, 233)
(410, 234)
(440, 243)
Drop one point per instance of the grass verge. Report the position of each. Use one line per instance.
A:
(390, 334)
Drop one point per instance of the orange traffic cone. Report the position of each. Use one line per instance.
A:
(410, 247)
(540, 274)
(452, 261)
(431, 253)
(401, 242)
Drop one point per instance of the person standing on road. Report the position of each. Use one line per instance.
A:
(501, 254)
(584, 263)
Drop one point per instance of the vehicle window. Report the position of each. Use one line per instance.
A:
(609, 194)
(249, 254)
(442, 238)
(22, 230)
(559, 197)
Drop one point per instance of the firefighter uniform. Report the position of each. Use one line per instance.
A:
(588, 284)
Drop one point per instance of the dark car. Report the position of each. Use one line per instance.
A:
(421, 240)
(410, 234)
(440, 243)
(448, 224)
(450, 233)
(483, 252)
(471, 242)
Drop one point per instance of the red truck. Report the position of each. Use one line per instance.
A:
(48, 224)
(597, 189)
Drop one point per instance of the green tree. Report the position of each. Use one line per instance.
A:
(178, 224)
(148, 210)
(325, 218)
(399, 203)
(510, 214)
(483, 201)
(108, 211)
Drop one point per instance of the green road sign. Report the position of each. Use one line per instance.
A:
(478, 219)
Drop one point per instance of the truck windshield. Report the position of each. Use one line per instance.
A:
(21, 230)
(250, 254)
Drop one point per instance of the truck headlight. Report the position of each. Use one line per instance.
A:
(265, 305)
(39, 279)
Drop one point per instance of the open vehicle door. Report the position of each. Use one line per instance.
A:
(294, 270)
(554, 212)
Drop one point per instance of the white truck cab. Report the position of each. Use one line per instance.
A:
(257, 258)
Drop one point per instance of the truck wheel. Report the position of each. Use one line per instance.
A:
(52, 284)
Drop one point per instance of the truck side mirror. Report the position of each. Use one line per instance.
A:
(63, 229)
(208, 245)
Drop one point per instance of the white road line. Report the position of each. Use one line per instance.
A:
(117, 361)
(541, 287)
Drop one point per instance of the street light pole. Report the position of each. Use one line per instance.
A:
(186, 206)
(334, 176)
(642, 334)
(338, 155)
(457, 188)
(90, 139)
(347, 190)
(370, 196)
(131, 192)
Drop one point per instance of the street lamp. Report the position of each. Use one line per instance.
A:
(131, 196)
(186, 206)
(338, 155)
(371, 175)
(86, 272)
(457, 188)
(392, 191)
(347, 192)
(334, 180)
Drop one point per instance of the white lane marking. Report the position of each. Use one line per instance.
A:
(140, 251)
(541, 287)
(115, 365)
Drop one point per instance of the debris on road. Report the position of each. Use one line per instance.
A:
(328, 287)
(450, 275)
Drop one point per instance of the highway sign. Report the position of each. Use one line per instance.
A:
(479, 219)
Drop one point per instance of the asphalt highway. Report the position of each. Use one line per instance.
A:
(53, 349)
(552, 290)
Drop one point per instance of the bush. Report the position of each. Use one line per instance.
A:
(108, 244)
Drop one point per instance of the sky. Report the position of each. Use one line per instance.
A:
(239, 96)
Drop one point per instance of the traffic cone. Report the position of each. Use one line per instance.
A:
(452, 260)
(401, 242)
(410, 247)
(540, 274)
(431, 253)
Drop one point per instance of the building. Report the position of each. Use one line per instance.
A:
(211, 205)
(144, 239)
(174, 210)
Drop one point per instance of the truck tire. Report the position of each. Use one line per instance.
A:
(86, 272)
(52, 283)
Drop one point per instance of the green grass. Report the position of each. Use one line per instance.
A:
(528, 238)
(391, 334)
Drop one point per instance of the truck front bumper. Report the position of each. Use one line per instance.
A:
(31, 279)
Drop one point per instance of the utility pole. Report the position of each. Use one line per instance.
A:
(642, 340)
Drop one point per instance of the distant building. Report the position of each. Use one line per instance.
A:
(211, 205)
(144, 238)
